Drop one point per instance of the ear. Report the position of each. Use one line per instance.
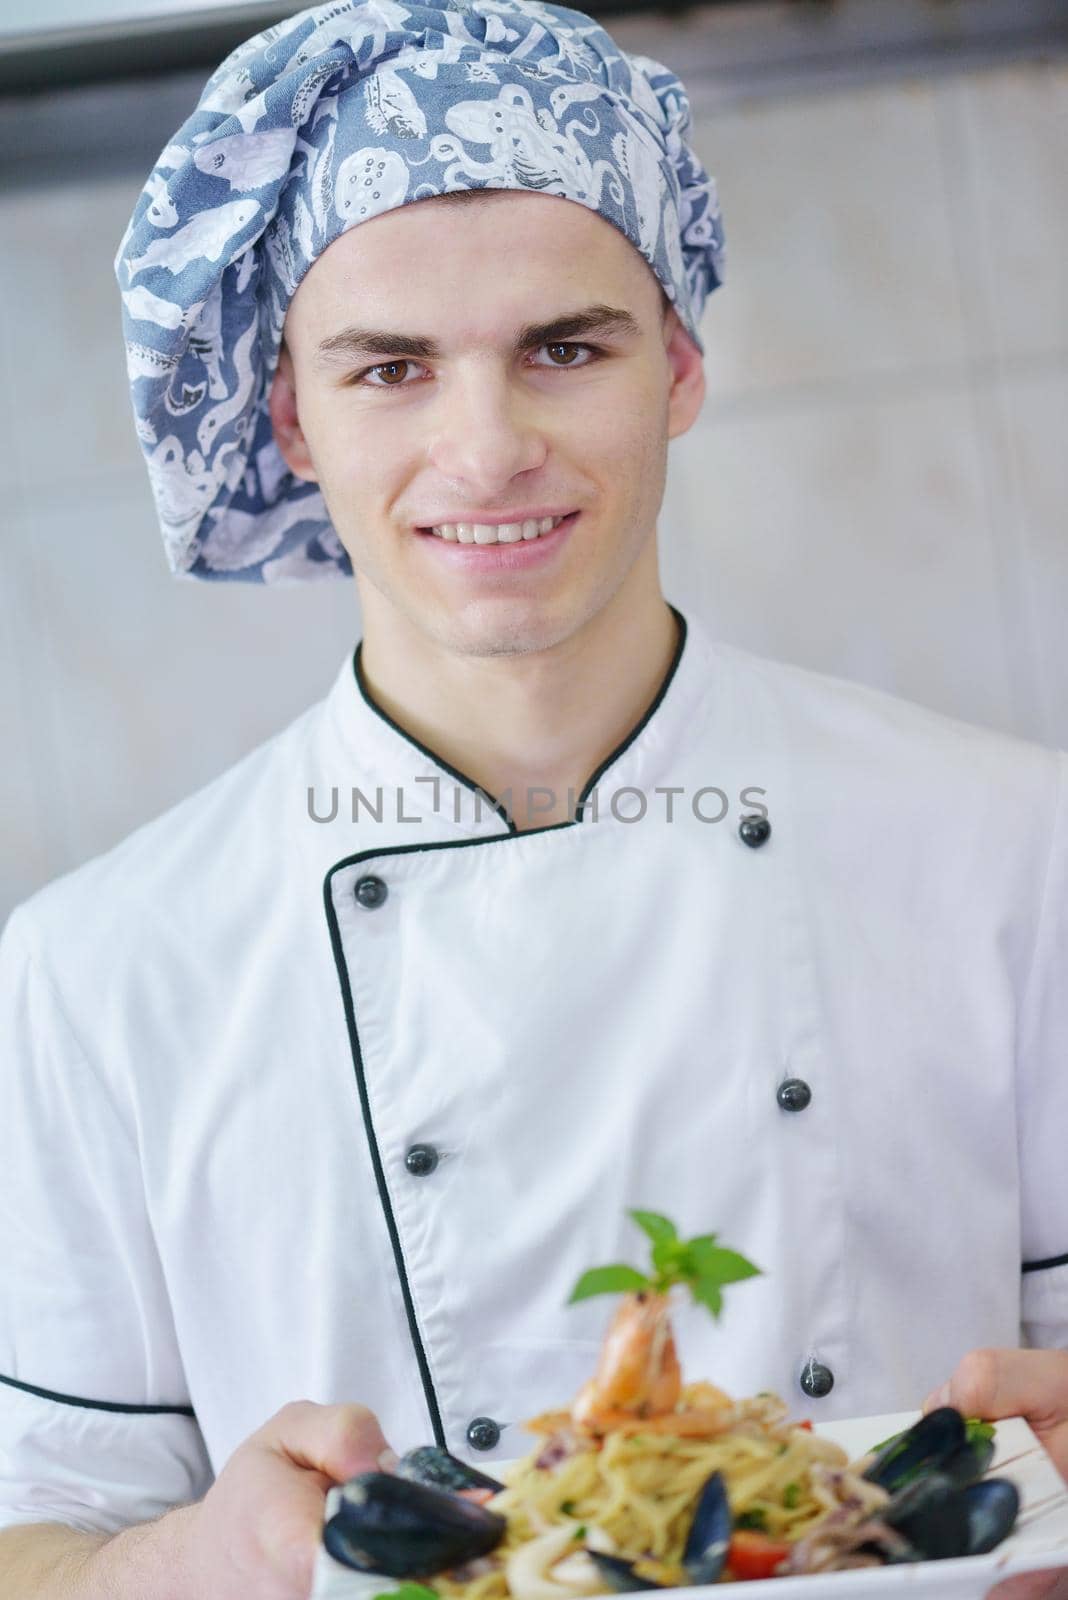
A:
(686, 364)
(289, 436)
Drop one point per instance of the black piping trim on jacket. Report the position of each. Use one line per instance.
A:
(98, 1405)
(469, 783)
(609, 761)
(1040, 1266)
(419, 1348)
(423, 749)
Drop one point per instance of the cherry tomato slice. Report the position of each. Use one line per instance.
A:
(753, 1555)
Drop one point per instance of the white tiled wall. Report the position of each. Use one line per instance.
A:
(878, 483)
(876, 488)
(840, 241)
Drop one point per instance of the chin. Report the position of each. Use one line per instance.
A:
(488, 636)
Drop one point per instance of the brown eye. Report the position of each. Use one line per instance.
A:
(383, 375)
(585, 353)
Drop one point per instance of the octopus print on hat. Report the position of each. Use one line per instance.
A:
(333, 117)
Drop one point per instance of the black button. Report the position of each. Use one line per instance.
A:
(483, 1433)
(371, 893)
(754, 831)
(421, 1160)
(816, 1379)
(793, 1094)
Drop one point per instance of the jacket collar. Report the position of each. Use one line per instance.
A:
(363, 746)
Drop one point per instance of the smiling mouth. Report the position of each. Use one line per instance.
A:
(490, 533)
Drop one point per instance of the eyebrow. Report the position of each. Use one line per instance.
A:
(350, 343)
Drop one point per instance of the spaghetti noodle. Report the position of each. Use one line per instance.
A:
(635, 1492)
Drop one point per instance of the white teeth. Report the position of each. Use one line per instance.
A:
(490, 533)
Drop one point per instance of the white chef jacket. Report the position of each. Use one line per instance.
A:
(225, 1036)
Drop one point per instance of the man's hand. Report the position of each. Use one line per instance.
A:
(1017, 1383)
(257, 1530)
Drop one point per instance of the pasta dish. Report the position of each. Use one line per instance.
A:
(644, 1482)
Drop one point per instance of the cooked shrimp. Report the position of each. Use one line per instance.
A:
(638, 1372)
(638, 1383)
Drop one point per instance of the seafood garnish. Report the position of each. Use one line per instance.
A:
(429, 1463)
(961, 1449)
(637, 1386)
(646, 1483)
(933, 1516)
(388, 1524)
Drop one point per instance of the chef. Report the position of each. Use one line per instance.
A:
(322, 1089)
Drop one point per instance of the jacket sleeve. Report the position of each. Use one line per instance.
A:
(1042, 1077)
(96, 1427)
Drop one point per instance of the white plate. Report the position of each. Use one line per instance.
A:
(1039, 1540)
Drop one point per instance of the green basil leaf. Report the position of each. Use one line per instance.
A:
(659, 1229)
(665, 1252)
(708, 1294)
(716, 1265)
(673, 1262)
(608, 1280)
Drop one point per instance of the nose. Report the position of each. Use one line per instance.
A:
(484, 432)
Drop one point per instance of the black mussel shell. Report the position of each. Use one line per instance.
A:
(710, 1533)
(932, 1514)
(969, 1462)
(993, 1506)
(941, 1519)
(704, 1556)
(390, 1525)
(619, 1573)
(431, 1464)
(936, 1438)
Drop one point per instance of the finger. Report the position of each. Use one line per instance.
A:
(1032, 1586)
(338, 1440)
(292, 1536)
(1010, 1383)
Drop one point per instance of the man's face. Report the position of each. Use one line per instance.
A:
(468, 427)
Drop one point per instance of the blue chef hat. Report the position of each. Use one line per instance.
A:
(343, 112)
